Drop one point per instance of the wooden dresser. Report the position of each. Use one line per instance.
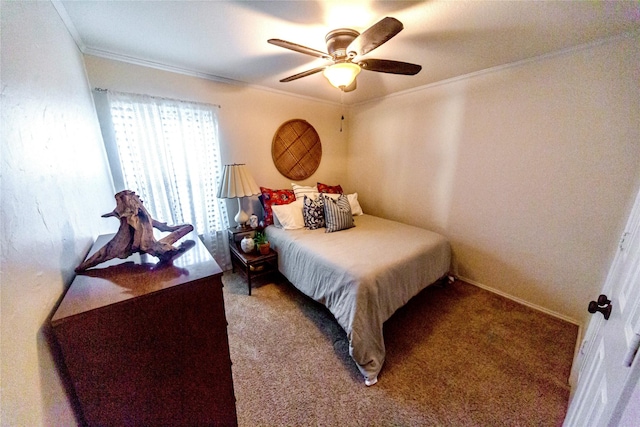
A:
(147, 345)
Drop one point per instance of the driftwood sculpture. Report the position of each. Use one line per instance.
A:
(136, 234)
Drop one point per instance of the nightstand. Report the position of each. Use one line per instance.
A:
(252, 264)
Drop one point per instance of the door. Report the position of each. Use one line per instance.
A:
(608, 364)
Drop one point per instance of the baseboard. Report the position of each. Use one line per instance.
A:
(520, 301)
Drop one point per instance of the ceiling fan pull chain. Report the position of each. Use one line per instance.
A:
(342, 108)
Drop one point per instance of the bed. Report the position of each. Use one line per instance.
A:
(362, 275)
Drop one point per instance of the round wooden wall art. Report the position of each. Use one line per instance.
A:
(296, 149)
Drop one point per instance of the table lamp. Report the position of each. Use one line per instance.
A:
(237, 182)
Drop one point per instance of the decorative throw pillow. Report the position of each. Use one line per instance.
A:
(334, 189)
(300, 191)
(337, 213)
(288, 217)
(353, 202)
(274, 197)
(313, 213)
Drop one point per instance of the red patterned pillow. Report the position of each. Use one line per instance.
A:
(331, 189)
(274, 197)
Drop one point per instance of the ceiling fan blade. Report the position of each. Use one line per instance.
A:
(374, 36)
(387, 66)
(299, 48)
(302, 74)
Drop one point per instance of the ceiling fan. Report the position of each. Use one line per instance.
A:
(346, 47)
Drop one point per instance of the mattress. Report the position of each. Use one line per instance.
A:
(362, 275)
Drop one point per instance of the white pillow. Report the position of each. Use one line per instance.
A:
(289, 216)
(353, 201)
(355, 205)
(300, 191)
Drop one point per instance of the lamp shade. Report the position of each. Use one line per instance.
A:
(237, 182)
(342, 74)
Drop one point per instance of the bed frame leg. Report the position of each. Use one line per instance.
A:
(447, 280)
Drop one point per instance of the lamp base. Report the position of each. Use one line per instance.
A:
(241, 217)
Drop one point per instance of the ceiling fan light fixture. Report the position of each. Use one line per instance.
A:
(342, 74)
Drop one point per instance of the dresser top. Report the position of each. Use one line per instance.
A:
(119, 280)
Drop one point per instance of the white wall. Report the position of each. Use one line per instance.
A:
(55, 186)
(249, 118)
(530, 170)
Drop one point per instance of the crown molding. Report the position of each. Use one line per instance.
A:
(73, 31)
(194, 73)
(516, 64)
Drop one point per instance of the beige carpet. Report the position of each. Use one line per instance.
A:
(456, 356)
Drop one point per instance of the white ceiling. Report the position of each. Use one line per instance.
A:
(227, 40)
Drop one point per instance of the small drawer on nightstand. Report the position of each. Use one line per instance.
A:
(237, 234)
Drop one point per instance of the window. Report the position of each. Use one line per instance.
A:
(167, 151)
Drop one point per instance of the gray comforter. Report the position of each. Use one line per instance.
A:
(362, 275)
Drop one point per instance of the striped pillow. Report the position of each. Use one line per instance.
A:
(337, 213)
(300, 191)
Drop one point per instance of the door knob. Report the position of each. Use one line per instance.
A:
(603, 305)
(603, 300)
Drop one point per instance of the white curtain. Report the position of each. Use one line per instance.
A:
(167, 151)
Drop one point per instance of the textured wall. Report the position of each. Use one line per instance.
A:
(530, 170)
(55, 186)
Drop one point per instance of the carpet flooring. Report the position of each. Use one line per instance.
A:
(457, 355)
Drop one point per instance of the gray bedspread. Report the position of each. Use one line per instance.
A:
(362, 275)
